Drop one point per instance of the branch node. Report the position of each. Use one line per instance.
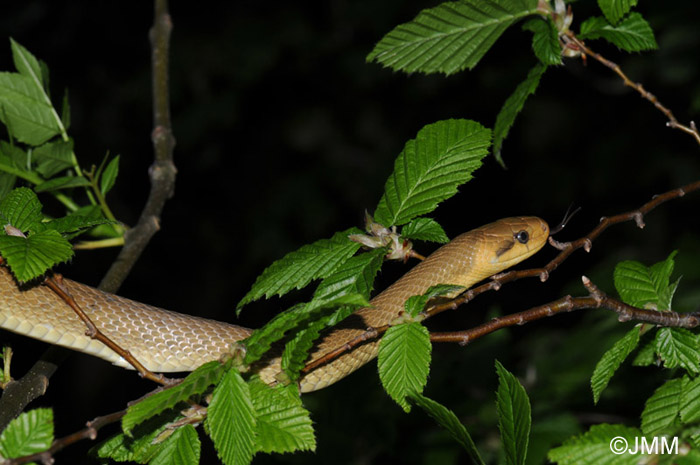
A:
(587, 244)
(558, 245)
(639, 219)
(544, 275)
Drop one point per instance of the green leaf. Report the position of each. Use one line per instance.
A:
(283, 424)
(614, 10)
(260, 341)
(594, 447)
(296, 350)
(404, 361)
(425, 229)
(678, 347)
(514, 418)
(690, 400)
(511, 108)
(231, 420)
(24, 109)
(611, 361)
(430, 168)
(646, 355)
(21, 208)
(30, 257)
(65, 111)
(545, 40)
(417, 303)
(29, 433)
(195, 383)
(297, 269)
(662, 408)
(25, 62)
(448, 420)
(73, 222)
(633, 34)
(449, 37)
(181, 448)
(645, 287)
(143, 446)
(109, 175)
(63, 182)
(53, 157)
(355, 276)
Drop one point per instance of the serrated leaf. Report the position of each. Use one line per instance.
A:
(404, 361)
(29, 433)
(296, 350)
(449, 37)
(642, 286)
(514, 419)
(594, 447)
(17, 158)
(72, 223)
(614, 10)
(25, 111)
(195, 383)
(430, 168)
(448, 420)
(646, 355)
(260, 341)
(63, 182)
(231, 420)
(425, 229)
(611, 361)
(512, 106)
(417, 303)
(690, 400)
(545, 40)
(53, 157)
(30, 257)
(109, 175)
(662, 408)
(140, 448)
(283, 424)
(297, 269)
(678, 347)
(181, 448)
(633, 34)
(355, 276)
(21, 208)
(25, 62)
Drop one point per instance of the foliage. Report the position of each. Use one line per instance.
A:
(241, 414)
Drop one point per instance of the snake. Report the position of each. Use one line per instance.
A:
(165, 341)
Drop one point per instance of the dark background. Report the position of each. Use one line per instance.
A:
(285, 135)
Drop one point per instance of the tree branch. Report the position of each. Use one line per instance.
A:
(575, 43)
(162, 171)
(595, 299)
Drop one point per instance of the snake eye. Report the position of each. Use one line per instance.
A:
(522, 236)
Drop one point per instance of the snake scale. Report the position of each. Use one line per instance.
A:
(165, 341)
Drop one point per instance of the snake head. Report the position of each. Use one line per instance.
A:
(515, 239)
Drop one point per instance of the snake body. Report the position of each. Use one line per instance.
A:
(165, 341)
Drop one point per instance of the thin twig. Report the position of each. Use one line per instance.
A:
(595, 299)
(55, 283)
(162, 171)
(672, 120)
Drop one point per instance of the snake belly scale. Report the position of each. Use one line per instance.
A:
(165, 341)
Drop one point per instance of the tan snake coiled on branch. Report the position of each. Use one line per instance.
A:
(165, 341)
